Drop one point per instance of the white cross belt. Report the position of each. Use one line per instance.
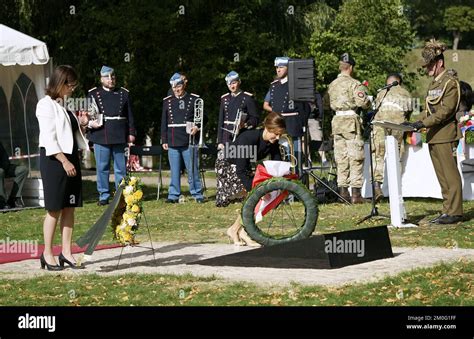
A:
(115, 118)
(349, 112)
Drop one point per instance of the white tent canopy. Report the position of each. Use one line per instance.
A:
(17, 48)
(23, 72)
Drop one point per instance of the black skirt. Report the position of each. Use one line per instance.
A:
(60, 191)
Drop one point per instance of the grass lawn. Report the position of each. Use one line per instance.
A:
(442, 285)
(190, 222)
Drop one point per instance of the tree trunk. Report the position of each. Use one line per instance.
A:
(457, 37)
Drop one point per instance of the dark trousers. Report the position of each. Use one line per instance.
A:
(20, 173)
(445, 165)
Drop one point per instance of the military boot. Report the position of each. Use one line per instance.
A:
(356, 196)
(378, 191)
(344, 192)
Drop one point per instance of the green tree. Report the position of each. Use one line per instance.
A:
(459, 19)
(427, 19)
(147, 41)
(319, 16)
(376, 32)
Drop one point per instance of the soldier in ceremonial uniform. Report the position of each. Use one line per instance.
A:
(443, 134)
(346, 96)
(177, 114)
(110, 136)
(231, 103)
(394, 106)
(295, 113)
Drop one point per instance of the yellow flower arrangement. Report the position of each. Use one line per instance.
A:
(126, 217)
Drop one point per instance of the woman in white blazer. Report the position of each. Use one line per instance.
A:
(61, 136)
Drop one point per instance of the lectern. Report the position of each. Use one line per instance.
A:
(392, 163)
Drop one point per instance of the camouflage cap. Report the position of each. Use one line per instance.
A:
(432, 52)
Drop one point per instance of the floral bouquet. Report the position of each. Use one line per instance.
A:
(126, 217)
(466, 124)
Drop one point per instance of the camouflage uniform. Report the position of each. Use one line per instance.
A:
(345, 96)
(396, 106)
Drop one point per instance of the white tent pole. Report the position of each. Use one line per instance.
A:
(26, 126)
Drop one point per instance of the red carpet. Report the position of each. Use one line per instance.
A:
(13, 252)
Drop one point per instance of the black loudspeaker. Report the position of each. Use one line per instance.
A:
(301, 80)
(323, 251)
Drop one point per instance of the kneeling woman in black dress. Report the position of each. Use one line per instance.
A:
(234, 171)
(61, 135)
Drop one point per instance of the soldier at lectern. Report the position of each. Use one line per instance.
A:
(443, 134)
(395, 106)
(110, 128)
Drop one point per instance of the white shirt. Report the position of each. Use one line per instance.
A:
(55, 128)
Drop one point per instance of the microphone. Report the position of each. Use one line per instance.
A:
(395, 83)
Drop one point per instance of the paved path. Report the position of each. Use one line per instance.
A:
(171, 258)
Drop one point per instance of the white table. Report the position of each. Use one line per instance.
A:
(418, 175)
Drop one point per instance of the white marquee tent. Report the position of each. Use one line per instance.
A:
(24, 68)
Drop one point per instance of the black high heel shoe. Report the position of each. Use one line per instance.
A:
(63, 260)
(48, 266)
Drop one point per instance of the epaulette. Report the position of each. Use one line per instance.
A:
(224, 95)
(452, 77)
(169, 96)
(125, 89)
(274, 81)
(197, 96)
(248, 93)
(92, 89)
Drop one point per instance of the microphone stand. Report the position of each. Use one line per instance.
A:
(374, 212)
(309, 171)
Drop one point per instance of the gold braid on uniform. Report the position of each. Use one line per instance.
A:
(435, 101)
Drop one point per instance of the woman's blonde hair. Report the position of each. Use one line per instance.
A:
(275, 123)
(63, 75)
